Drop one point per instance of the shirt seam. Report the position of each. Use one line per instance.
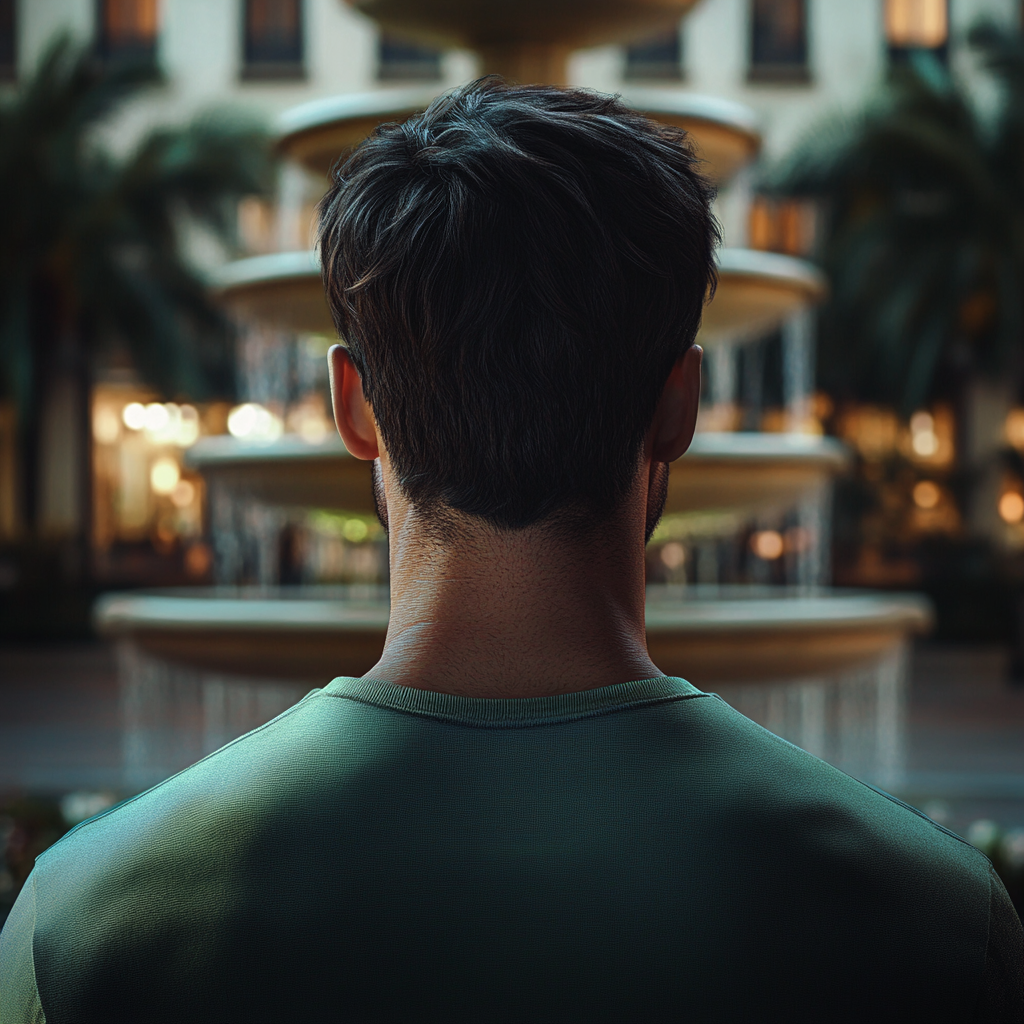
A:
(32, 948)
(931, 821)
(535, 723)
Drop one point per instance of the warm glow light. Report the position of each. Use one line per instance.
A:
(156, 419)
(1011, 507)
(134, 416)
(313, 429)
(923, 439)
(916, 23)
(925, 444)
(767, 544)
(922, 423)
(184, 494)
(926, 494)
(105, 426)
(673, 555)
(164, 475)
(252, 422)
(1014, 428)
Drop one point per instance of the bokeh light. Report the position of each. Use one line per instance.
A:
(1011, 507)
(926, 494)
(767, 544)
(164, 475)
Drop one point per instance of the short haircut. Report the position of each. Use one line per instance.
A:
(514, 272)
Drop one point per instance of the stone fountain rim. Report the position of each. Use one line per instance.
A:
(739, 262)
(122, 614)
(737, 447)
(266, 268)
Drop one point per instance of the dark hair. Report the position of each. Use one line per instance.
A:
(515, 271)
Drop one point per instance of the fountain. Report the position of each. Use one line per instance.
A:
(822, 668)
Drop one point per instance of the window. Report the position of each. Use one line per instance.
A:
(127, 29)
(783, 225)
(402, 60)
(658, 58)
(916, 25)
(778, 41)
(273, 39)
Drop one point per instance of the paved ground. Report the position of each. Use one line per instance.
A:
(60, 716)
(966, 738)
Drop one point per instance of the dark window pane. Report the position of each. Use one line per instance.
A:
(127, 29)
(273, 37)
(661, 57)
(778, 42)
(402, 59)
(8, 41)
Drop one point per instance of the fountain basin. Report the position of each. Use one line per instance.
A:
(569, 24)
(288, 472)
(749, 473)
(283, 289)
(738, 473)
(316, 134)
(756, 292)
(743, 635)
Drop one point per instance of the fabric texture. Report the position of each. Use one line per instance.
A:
(19, 996)
(1002, 998)
(638, 852)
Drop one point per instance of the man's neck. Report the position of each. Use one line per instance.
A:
(523, 613)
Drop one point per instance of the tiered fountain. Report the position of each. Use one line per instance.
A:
(822, 668)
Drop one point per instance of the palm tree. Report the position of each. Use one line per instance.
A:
(91, 245)
(924, 201)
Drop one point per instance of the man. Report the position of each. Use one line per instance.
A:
(514, 816)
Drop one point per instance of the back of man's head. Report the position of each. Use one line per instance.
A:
(515, 271)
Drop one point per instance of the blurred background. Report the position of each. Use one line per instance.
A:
(151, 155)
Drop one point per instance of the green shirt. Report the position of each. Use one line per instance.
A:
(639, 852)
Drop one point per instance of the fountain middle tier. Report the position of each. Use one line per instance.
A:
(737, 473)
(756, 292)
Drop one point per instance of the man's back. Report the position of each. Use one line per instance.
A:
(636, 852)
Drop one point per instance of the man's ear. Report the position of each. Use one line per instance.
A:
(352, 413)
(676, 416)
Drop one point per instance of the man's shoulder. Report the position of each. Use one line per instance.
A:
(805, 808)
(200, 808)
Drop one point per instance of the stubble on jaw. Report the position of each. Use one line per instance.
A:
(656, 497)
(380, 501)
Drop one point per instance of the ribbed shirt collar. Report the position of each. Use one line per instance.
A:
(518, 712)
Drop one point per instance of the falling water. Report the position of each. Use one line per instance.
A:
(798, 367)
(853, 720)
(722, 374)
(171, 715)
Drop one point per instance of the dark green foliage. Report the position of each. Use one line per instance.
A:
(925, 240)
(91, 248)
